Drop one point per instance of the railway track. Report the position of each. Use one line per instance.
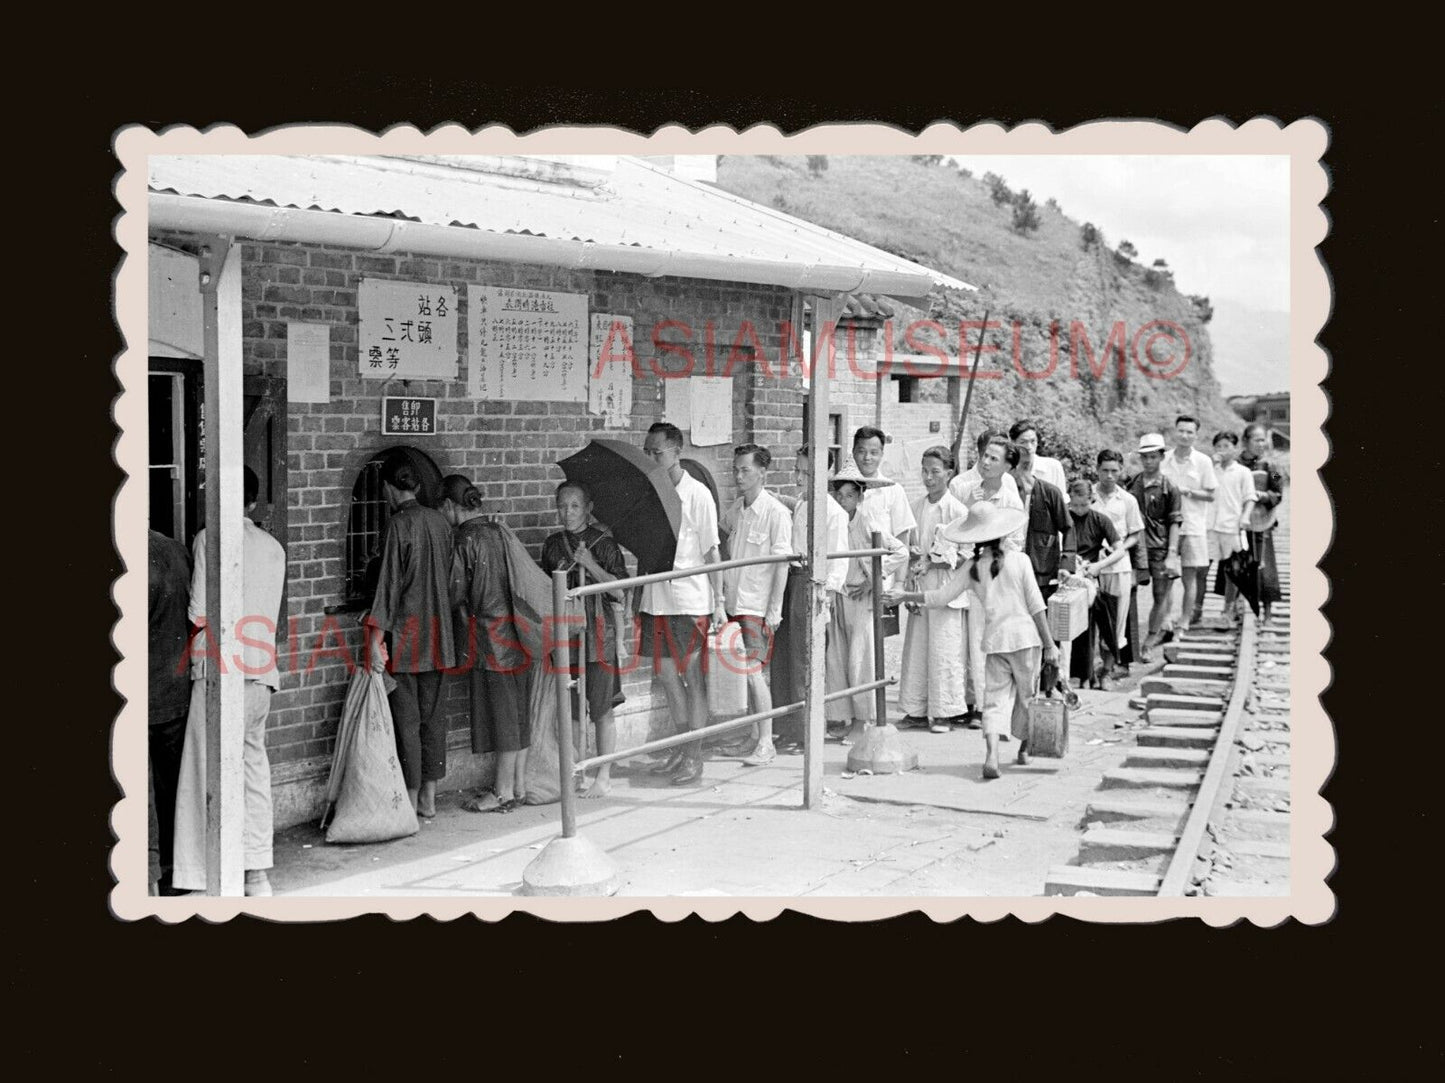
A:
(1201, 803)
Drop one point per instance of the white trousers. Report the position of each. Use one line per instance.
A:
(1010, 680)
(190, 845)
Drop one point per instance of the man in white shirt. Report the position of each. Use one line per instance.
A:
(965, 487)
(263, 577)
(1025, 436)
(888, 504)
(758, 525)
(675, 614)
(1234, 500)
(1192, 472)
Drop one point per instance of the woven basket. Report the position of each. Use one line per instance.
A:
(1069, 613)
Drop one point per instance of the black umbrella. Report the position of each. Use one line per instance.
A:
(633, 496)
(1242, 569)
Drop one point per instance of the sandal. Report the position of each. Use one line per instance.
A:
(484, 802)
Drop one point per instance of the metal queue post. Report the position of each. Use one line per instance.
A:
(572, 865)
(880, 750)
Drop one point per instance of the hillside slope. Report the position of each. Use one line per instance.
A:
(937, 216)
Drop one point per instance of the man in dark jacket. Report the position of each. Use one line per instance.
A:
(412, 608)
(1050, 535)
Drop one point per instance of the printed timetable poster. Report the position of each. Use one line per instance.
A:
(408, 330)
(526, 344)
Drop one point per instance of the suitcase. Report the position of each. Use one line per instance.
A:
(1048, 720)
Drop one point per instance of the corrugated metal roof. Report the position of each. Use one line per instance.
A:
(636, 205)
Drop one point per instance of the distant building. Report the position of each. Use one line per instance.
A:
(1271, 410)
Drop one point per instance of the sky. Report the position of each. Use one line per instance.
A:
(1221, 221)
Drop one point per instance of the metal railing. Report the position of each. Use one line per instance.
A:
(568, 765)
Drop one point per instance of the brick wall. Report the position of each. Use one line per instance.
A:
(509, 449)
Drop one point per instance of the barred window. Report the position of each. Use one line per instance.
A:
(368, 514)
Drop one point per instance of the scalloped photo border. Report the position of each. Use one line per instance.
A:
(1303, 141)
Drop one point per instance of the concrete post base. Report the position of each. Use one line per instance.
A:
(881, 751)
(572, 866)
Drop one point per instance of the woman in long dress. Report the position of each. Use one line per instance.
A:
(932, 685)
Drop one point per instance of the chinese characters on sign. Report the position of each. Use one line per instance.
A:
(408, 416)
(609, 384)
(526, 344)
(408, 330)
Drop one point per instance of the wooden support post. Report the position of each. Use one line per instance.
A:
(825, 316)
(225, 731)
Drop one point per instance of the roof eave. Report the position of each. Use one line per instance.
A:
(257, 221)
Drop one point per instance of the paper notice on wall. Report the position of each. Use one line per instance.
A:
(308, 362)
(712, 410)
(609, 377)
(677, 401)
(526, 345)
(408, 330)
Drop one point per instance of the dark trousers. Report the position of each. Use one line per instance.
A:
(166, 739)
(787, 674)
(421, 737)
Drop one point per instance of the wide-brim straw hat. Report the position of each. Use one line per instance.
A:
(985, 521)
(850, 472)
(1152, 441)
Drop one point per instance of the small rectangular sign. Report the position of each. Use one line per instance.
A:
(408, 416)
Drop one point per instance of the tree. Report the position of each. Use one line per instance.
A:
(1161, 265)
(1052, 204)
(965, 173)
(1090, 236)
(1026, 213)
(928, 159)
(1127, 250)
(817, 164)
(1202, 308)
(997, 189)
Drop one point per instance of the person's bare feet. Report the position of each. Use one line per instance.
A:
(600, 787)
(426, 801)
(855, 732)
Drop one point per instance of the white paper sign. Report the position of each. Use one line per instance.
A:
(308, 362)
(408, 330)
(609, 380)
(526, 344)
(712, 410)
(677, 401)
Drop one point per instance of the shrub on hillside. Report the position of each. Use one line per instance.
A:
(1203, 310)
(1090, 236)
(997, 189)
(817, 164)
(1026, 213)
(927, 159)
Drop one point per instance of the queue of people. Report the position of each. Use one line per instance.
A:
(974, 560)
